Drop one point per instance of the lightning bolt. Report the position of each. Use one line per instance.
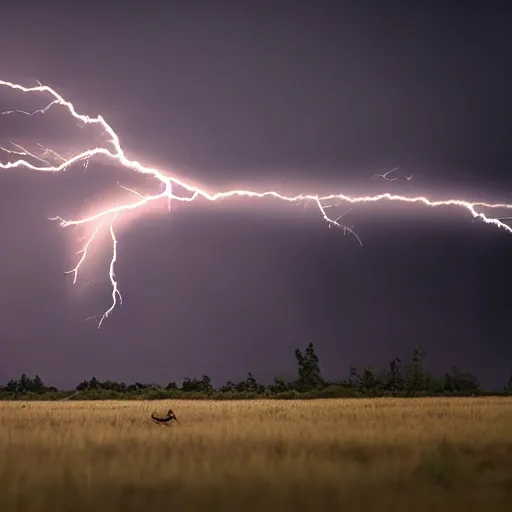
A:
(83, 252)
(386, 174)
(114, 151)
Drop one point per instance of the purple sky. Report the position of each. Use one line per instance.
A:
(310, 98)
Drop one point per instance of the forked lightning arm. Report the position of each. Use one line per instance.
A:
(114, 151)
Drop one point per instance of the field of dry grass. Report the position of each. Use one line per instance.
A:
(375, 454)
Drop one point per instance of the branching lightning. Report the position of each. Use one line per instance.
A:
(20, 157)
(386, 174)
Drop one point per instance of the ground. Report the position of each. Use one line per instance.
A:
(352, 454)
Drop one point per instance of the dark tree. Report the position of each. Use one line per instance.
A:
(199, 386)
(458, 381)
(249, 385)
(38, 385)
(94, 383)
(279, 385)
(228, 387)
(82, 386)
(310, 376)
(24, 384)
(109, 385)
(253, 386)
(206, 384)
(395, 381)
(370, 380)
(12, 386)
(354, 379)
(416, 381)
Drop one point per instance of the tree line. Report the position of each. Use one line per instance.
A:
(398, 379)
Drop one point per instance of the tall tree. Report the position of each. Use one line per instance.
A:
(310, 376)
(24, 384)
(416, 381)
(395, 380)
(94, 383)
(370, 380)
(38, 385)
(354, 379)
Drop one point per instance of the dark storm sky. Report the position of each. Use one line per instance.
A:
(311, 97)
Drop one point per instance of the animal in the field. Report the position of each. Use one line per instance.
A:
(166, 420)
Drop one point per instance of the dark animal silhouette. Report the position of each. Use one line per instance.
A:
(167, 419)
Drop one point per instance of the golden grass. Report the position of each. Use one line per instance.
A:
(375, 454)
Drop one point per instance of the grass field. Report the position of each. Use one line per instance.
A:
(362, 454)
